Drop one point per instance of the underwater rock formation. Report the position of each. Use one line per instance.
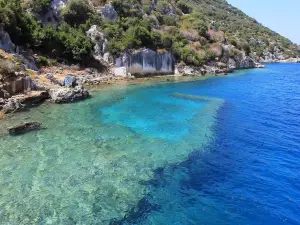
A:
(23, 128)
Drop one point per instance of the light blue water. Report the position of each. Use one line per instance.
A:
(219, 151)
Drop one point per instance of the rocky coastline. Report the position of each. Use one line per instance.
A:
(27, 85)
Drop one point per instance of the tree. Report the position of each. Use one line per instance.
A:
(40, 6)
(76, 12)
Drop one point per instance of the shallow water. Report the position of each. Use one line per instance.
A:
(219, 151)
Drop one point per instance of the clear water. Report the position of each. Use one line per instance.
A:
(219, 151)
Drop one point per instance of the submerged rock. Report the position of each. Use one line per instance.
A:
(68, 95)
(23, 128)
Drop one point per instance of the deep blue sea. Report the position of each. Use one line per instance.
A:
(250, 173)
(220, 151)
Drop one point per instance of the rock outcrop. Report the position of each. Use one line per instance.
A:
(5, 41)
(16, 86)
(101, 44)
(147, 62)
(23, 101)
(68, 95)
(243, 62)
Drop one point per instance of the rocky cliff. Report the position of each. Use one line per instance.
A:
(147, 62)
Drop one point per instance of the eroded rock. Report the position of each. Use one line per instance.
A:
(68, 95)
(147, 62)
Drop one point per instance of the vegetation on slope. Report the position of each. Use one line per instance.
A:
(194, 30)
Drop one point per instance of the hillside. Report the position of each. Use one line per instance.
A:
(241, 28)
(196, 32)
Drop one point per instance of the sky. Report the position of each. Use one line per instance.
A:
(279, 15)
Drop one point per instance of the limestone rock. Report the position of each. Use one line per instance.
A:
(99, 41)
(22, 101)
(12, 105)
(147, 62)
(68, 95)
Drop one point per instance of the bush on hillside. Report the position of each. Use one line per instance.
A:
(40, 7)
(76, 12)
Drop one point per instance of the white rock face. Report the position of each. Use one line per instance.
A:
(147, 62)
(120, 71)
(5, 42)
(101, 44)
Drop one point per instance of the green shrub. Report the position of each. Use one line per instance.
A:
(40, 6)
(43, 61)
(169, 20)
(76, 12)
(184, 7)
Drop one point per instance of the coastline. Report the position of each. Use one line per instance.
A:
(101, 86)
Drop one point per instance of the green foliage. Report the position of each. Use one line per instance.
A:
(76, 12)
(43, 61)
(137, 26)
(169, 20)
(184, 7)
(190, 57)
(16, 22)
(40, 6)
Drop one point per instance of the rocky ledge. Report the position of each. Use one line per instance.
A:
(67, 95)
(22, 101)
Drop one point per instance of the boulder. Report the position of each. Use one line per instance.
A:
(24, 128)
(68, 95)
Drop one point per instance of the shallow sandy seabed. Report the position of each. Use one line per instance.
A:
(91, 163)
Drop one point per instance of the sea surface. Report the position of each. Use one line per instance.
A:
(224, 150)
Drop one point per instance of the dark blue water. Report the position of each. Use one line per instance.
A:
(250, 173)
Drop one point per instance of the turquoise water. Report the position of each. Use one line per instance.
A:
(218, 151)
